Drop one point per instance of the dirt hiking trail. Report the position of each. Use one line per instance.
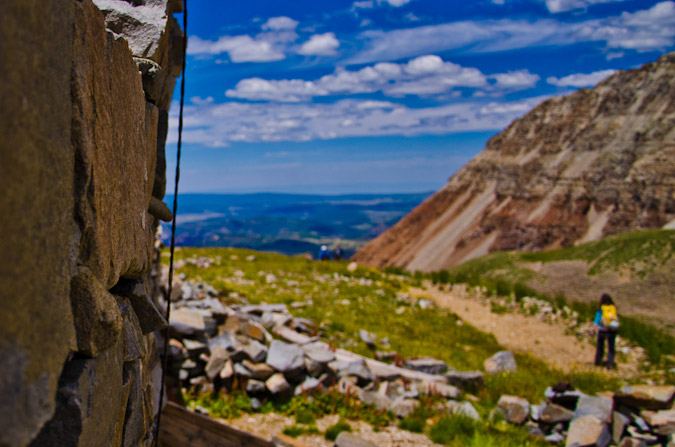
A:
(517, 332)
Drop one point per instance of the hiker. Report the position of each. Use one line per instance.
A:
(324, 254)
(607, 324)
(337, 253)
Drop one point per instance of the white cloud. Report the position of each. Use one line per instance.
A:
(366, 4)
(519, 79)
(254, 122)
(286, 90)
(240, 48)
(200, 101)
(651, 29)
(555, 6)
(268, 46)
(580, 79)
(320, 45)
(280, 23)
(427, 75)
(394, 3)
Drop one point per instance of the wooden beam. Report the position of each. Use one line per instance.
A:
(183, 428)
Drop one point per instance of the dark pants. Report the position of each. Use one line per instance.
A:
(610, 336)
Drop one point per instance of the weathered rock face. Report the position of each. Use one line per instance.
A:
(78, 164)
(576, 168)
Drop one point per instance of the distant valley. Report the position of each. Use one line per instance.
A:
(287, 223)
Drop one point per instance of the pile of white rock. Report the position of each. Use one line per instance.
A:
(269, 353)
(634, 416)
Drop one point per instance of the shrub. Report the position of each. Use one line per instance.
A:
(334, 430)
(297, 430)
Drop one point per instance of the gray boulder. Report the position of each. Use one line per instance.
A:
(514, 408)
(428, 365)
(359, 369)
(588, 430)
(551, 413)
(501, 362)
(467, 380)
(285, 357)
(277, 384)
(599, 406)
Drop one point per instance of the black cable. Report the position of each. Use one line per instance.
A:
(173, 226)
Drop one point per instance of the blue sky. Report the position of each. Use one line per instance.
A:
(384, 95)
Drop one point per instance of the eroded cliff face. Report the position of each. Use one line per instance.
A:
(83, 117)
(576, 168)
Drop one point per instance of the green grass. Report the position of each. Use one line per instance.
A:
(344, 302)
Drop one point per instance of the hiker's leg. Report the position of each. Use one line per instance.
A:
(611, 343)
(600, 348)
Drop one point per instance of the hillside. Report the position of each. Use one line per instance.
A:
(637, 269)
(594, 163)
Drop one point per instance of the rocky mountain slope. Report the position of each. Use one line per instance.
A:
(577, 168)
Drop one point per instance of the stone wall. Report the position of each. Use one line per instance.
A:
(84, 93)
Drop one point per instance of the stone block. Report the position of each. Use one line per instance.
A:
(38, 232)
(98, 320)
(92, 402)
(149, 316)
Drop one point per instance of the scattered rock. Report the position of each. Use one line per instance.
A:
(381, 402)
(437, 389)
(428, 365)
(631, 442)
(468, 380)
(369, 339)
(277, 384)
(216, 362)
(619, 424)
(402, 407)
(662, 422)
(463, 408)
(551, 413)
(285, 358)
(515, 409)
(649, 397)
(359, 369)
(187, 322)
(259, 371)
(503, 361)
(588, 430)
(255, 387)
(599, 406)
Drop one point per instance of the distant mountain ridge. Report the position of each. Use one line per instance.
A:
(576, 168)
(287, 223)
